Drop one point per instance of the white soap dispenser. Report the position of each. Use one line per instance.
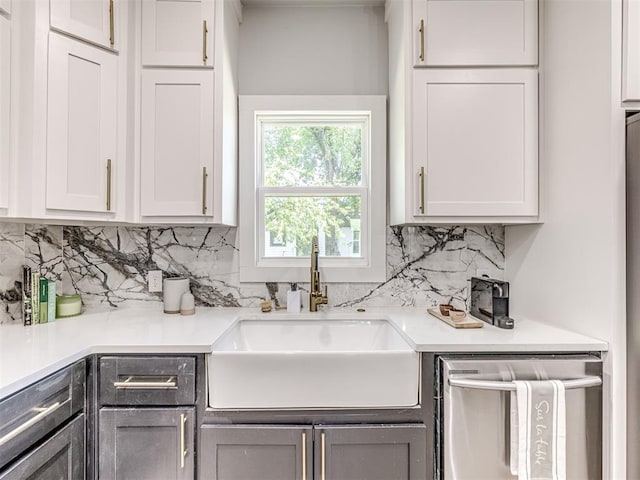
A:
(293, 299)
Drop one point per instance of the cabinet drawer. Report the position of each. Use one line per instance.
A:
(60, 457)
(31, 414)
(147, 380)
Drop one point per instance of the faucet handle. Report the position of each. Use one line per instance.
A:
(326, 292)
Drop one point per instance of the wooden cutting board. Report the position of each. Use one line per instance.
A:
(468, 322)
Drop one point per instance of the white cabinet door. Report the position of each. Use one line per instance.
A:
(90, 20)
(176, 142)
(177, 33)
(81, 125)
(631, 50)
(475, 32)
(475, 142)
(5, 109)
(5, 6)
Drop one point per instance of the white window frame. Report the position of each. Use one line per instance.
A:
(371, 265)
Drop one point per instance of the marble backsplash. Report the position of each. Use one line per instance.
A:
(108, 265)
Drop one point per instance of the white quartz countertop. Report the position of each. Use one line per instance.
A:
(28, 354)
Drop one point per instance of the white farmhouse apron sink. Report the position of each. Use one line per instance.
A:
(312, 363)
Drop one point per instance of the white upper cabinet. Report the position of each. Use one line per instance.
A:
(177, 143)
(475, 32)
(188, 127)
(94, 21)
(463, 142)
(82, 122)
(177, 33)
(475, 142)
(631, 50)
(5, 109)
(5, 6)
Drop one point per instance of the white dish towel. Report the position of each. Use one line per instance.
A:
(538, 430)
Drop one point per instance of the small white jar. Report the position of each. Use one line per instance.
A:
(187, 304)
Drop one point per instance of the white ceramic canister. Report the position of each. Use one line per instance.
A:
(173, 289)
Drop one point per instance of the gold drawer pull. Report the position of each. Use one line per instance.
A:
(304, 455)
(169, 384)
(323, 458)
(111, 25)
(204, 190)
(204, 41)
(421, 175)
(422, 40)
(45, 412)
(108, 185)
(183, 450)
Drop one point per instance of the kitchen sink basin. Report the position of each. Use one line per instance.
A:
(304, 364)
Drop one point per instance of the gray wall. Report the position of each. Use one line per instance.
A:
(313, 50)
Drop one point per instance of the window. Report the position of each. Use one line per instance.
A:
(312, 166)
(311, 181)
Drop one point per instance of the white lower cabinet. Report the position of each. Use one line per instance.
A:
(304, 452)
(177, 125)
(81, 127)
(5, 109)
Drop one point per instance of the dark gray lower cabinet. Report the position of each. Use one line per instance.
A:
(146, 443)
(61, 457)
(252, 452)
(370, 452)
(330, 452)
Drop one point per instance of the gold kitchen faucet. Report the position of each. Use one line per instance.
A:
(316, 297)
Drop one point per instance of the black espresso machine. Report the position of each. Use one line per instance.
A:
(490, 301)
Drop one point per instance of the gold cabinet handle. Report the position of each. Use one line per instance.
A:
(304, 455)
(108, 185)
(422, 40)
(43, 413)
(183, 450)
(323, 458)
(204, 190)
(111, 26)
(421, 175)
(204, 41)
(168, 384)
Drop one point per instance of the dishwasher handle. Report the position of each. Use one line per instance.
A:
(584, 382)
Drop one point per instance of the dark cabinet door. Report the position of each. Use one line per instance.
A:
(256, 452)
(61, 457)
(146, 444)
(370, 452)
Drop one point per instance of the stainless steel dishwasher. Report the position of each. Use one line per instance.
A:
(472, 411)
